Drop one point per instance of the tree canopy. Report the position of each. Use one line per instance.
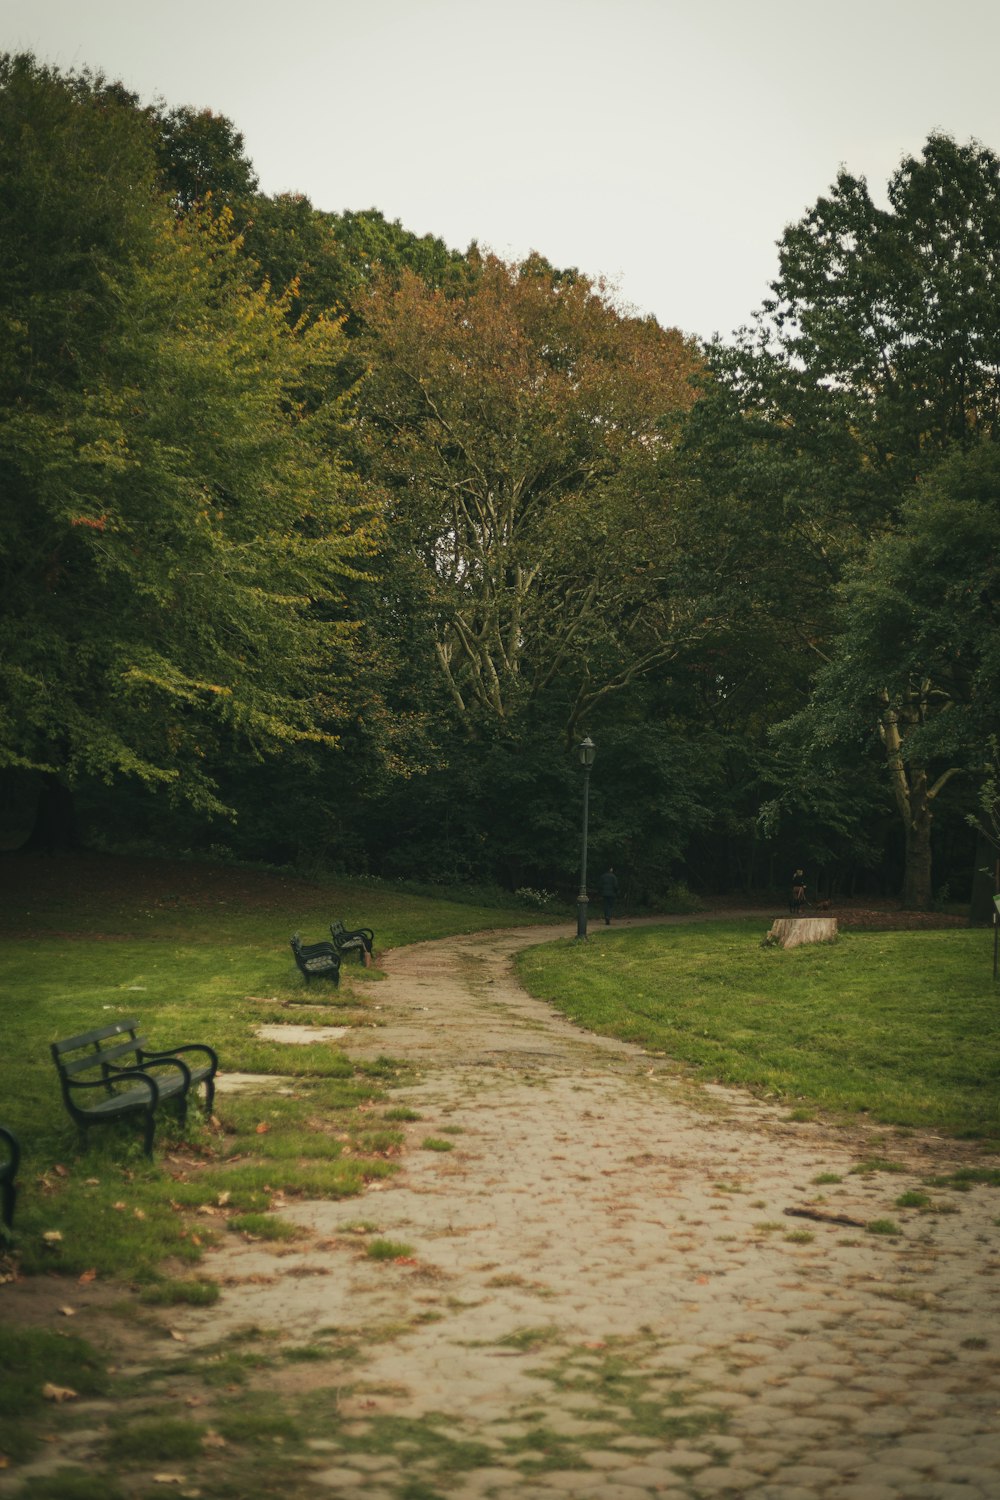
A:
(314, 522)
(520, 428)
(174, 507)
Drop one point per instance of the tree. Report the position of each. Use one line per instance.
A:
(891, 317)
(917, 658)
(176, 532)
(522, 430)
(877, 356)
(201, 157)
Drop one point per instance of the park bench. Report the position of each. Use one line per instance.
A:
(8, 1172)
(316, 960)
(109, 1073)
(358, 940)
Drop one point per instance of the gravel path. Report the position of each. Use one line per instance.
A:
(606, 1294)
(617, 1284)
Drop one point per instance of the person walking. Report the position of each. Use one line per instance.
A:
(609, 890)
(798, 896)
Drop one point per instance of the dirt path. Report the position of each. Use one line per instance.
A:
(606, 1256)
(604, 1293)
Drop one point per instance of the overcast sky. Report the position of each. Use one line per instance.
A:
(663, 144)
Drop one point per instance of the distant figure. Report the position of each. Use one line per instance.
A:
(609, 890)
(797, 899)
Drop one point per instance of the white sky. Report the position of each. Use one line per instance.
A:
(664, 144)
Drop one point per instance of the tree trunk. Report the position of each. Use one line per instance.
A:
(792, 932)
(914, 798)
(54, 831)
(917, 889)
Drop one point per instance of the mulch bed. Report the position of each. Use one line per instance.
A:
(893, 921)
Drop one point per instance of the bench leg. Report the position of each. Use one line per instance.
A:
(148, 1129)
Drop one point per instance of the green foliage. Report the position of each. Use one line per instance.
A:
(873, 361)
(201, 157)
(527, 513)
(173, 514)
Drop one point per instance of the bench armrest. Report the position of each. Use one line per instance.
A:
(173, 1053)
(115, 1075)
(14, 1147)
(148, 1059)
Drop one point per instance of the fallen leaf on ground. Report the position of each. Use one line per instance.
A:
(181, 1338)
(57, 1392)
(86, 1277)
(52, 1236)
(168, 1479)
(263, 1128)
(68, 1312)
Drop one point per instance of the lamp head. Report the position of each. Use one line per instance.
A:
(586, 750)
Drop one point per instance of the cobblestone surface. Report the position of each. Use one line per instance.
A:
(607, 1297)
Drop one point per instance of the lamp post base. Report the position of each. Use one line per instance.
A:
(581, 917)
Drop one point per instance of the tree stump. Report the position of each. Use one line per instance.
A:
(791, 932)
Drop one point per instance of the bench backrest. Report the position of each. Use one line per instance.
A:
(90, 1049)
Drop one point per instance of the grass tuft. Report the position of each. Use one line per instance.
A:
(387, 1250)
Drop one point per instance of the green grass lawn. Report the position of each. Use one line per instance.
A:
(902, 1025)
(197, 954)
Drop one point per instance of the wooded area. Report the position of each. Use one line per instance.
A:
(325, 543)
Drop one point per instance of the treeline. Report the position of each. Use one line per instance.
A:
(321, 541)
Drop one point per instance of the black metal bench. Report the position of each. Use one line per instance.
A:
(8, 1172)
(109, 1073)
(358, 940)
(316, 960)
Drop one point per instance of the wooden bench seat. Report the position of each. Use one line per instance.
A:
(359, 940)
(109, 1073)
(316, 960)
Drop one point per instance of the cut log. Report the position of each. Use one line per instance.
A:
(790, 932)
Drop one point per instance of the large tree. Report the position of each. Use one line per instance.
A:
(522, 430)
(175, 531)
(877, 356)
(917, 660)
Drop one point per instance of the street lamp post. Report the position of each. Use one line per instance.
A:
(586, 750)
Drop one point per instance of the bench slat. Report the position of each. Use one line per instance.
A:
(88, 1038)
(92, 1061)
